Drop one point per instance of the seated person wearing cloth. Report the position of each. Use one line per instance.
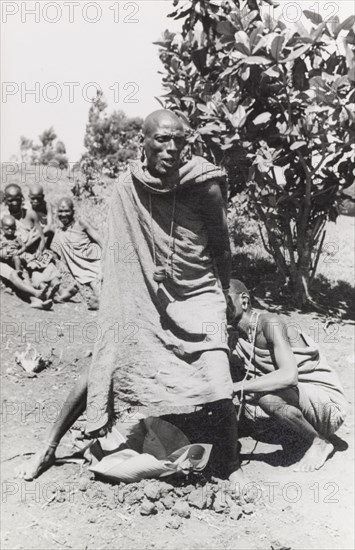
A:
(10, 244)
(292, 384)
(11, 250)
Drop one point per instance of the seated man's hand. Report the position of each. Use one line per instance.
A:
(237, 387)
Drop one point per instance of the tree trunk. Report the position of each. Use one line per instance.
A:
(301, 275)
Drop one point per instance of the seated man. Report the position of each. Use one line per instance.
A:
(292, 384)
(78, 244)
(43, 210)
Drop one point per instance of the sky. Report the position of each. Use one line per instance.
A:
(64, 50)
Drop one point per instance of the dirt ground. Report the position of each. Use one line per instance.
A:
(291, 510)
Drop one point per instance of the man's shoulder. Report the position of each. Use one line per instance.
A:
(125, 178)
(29, 213)
(4, 211)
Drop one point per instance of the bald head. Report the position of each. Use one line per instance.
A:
(36, 189)
(8, 221)
(237, 287)
(67, 202)
(164, 139)
(13, 190)
(239, 301)
(160, 119)
(8, 225)
(36, 196)
(65, 211)
(13, 198)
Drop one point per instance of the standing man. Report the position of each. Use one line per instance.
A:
(162, 314)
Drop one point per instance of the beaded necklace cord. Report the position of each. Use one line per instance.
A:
(161, 273)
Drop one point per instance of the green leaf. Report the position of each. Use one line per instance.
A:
(226, 28)
(313, 16)
(239, 117)
(273, 72)
(332, 24)
(296, 53)
(255, 36)
(199, 57)
(262, 118)
(351, 74)
(297, 145)
(345, 25)
(203, 108)
(318, 31)
(259, 44)
(242, 40)
(256, 60)
(210, 129)
(276, 47)
(227, 72)
(241, 49)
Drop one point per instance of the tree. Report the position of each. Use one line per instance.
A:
(26, 146)
(273, 104)
(110, 140)
(46, 152)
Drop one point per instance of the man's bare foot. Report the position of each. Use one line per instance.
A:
(316, 456)
(40, 462)
(41, 304)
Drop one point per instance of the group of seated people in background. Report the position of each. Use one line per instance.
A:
(45, 261)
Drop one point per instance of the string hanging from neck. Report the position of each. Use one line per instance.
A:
(249, 362)
(163, 272)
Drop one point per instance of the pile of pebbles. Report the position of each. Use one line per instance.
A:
(178, 502)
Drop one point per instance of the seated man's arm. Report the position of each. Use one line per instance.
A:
(50, 218)
(5, 253)
(92, 232)
(214, 214)
(37, 234)
(286, 371)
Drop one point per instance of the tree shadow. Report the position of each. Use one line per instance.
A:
(269, 290)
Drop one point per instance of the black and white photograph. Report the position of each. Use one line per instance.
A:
(177, 246)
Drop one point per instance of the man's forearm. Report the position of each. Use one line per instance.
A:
(273, 381)
(224, 266)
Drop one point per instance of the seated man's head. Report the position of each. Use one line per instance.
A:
(8, 226)
(239, 302)
(65, 211)
(13, 197)
(36, 196)
(164, 139)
